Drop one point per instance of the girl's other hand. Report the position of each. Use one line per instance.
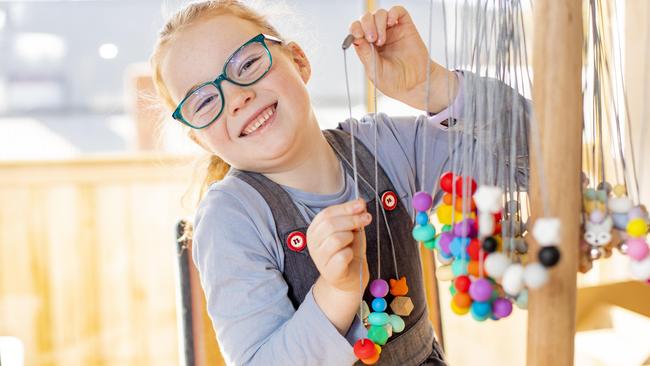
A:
(401, 59)
(337, 245)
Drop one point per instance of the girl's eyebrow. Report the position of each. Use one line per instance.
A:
(192, 89)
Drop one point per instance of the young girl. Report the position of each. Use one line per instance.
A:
(277, 241)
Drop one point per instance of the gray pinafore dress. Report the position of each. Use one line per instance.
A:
(416, 345)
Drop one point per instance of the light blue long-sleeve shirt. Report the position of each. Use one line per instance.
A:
(240, 257)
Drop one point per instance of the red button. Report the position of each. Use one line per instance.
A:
(389, 200)
(297, 241)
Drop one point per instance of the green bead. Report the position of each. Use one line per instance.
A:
(459, 267)
(397, 323)
(424, 233)
(601, 195)
(378, 334)
(590, 194)
(446, 228)
(452, 289)
(431, 244)
(379, 319)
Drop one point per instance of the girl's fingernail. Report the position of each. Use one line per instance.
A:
(359, 205)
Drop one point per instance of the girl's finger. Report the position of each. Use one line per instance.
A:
(356, 30)
(397, 14)
(381, 18)
(333, 244)
(369, 28)
(339, 262)
(329, 226)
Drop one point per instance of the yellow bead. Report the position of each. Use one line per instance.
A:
(458, 310)
(637, 228)
(444, 213)
(619, 190)
(378, 348)
(589, 205)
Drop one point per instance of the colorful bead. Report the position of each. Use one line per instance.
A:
(546, 231)
(637, 228)
(462, 299)
(458, 247)
(620, 220)
(445, 242)
(377, 318)
(465, 228)
(489, 244)
(549, 256)
(424, 233)
(364, 348)
(462, 283)
(481, 309)
(480, 290)
(488, 199)
(496, 265)
(447, 182)
(422, 218)
(474, 249)
(486, 224)
(597, 216)
(636, 212)
(379, 288)
(535, 275)
(445, 212)
(431, 244)
(397, 323)
(457, 310)
(422, 201)
(620, 204)
(637, 248)
(446, 228)
(444, 258)
(378, 335)
(398, 287)
(402, 305)
(522, 300)
(619, 190)
(459, 267)
(465, 183)
(444, 273)
(501, 307)
(379, 304)
(473, 268)
(513, 279)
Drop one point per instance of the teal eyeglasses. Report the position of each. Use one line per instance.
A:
(247, 65)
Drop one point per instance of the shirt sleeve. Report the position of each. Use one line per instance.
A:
(246, 294)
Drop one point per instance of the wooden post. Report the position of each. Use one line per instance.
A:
(557, 64)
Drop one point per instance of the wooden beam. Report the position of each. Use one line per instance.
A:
(557, 64)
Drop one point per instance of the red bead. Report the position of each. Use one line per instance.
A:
(473, 249)
(364, 348)
(447, 182)
(462, 283)
(462, 181)
(498, 217)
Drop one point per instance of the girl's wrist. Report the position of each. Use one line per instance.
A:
(443, 88)
(339, 306)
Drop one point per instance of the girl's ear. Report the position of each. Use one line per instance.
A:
(198, 141)
(300, 60)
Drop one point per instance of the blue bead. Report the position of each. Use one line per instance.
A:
(481, 309)
(422, 218)
(379, 304)
(378, 319)
(458, 247)
(459, 267)
(424, 232)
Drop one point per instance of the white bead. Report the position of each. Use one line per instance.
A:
(620, 204)
(444, 260)
(488, 199)
(485, 224)
(513, 279)
(535, 275)
(444, 273)
(641, 269)
(496, 264)
(546, 231)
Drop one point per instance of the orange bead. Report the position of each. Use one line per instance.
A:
(398, 287)
(472, 268)
(372, 360)
(459, 205)
(462, 300)
(447, 199)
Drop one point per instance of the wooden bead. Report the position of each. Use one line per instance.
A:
(402, 306)
(398, 287)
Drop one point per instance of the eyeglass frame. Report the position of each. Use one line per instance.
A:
(260, 38)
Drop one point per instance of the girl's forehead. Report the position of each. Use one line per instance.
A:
(197, 53)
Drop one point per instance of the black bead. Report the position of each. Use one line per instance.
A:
(549, 256)
(490, 244)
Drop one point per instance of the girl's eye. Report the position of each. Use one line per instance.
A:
(205, 102)
(247, 65)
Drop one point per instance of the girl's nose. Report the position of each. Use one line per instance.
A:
(237, 97)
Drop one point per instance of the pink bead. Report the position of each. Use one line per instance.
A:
(422, 201)
(480, 290)
(636, 212)
(637, 248)
(379, 288)
(501, 307)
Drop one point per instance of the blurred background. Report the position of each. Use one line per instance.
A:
(94, 177)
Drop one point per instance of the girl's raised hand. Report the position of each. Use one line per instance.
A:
(337, 244)
(401, 59)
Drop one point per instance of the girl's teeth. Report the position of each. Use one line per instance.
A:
(260, 121)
